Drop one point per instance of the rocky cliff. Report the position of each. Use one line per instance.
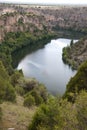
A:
(15, 18)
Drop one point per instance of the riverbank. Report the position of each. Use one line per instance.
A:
(14, 42)
(75, 54)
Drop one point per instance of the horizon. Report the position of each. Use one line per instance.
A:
(45, 2)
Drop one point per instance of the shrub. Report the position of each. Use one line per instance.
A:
(38, 98)
(15, 77)
(42, 91)
(30, 84)
(39, 93)
(45, 116)
(7, 91)
(29, 101)
(77, 83)
(81, 106)
(19, 90)
(0, 113)
(3, 72)
(27, 84)
(57, 114)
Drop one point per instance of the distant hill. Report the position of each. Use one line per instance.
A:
(14, 18)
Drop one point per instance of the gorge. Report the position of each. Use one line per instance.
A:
(47, 67)
(33, 71)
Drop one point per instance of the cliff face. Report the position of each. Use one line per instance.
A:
(16, 21)
(15, 18)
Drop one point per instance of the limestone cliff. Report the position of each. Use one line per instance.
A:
(15, 18)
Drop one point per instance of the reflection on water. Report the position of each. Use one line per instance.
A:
(47, 67)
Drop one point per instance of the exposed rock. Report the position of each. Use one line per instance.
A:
(15, 18)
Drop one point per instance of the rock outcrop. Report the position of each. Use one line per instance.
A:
(15, 18)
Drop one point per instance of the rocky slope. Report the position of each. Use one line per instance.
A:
(15, 18)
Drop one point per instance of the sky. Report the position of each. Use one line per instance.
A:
(48, 1)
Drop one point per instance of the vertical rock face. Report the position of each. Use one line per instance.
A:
(15, 18)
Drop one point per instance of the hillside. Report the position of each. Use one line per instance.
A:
(19, 98)
(16, 115)
(77, 83)
(76, 54)
(36, 19)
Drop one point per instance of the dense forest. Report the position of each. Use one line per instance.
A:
(25, 104)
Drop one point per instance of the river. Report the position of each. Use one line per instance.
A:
(47, 67)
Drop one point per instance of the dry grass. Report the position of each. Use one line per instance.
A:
(16, 115)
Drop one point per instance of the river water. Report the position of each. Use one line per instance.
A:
(47, 67)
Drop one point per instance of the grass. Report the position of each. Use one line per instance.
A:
(15, 115)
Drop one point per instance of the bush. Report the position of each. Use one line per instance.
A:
(19, 90)
(27, 84)
(37, 97)
(0, 113)
(7, 91)
(38, 91)
(57, 114)
(3, 72)
(81, 106)
(42, 91)
(29, 101)
(77, 83)
(15, 77)
(30, 84)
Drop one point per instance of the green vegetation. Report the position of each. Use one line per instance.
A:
(53, 113)
(59, 114)
(15, 41)
(12, 82)
(39, 93)
(33, 92)
(0, 113)
(77, 83)
(7, 91)
(29, 101)
(66, 56)
(81, 103)
(75, 54)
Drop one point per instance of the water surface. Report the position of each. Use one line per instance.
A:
(47, 67)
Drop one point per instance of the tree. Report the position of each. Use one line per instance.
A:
(81, 106)
(7, 91)
(77, 83)
(71, 43)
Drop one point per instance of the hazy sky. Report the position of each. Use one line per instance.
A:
(49, 1)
